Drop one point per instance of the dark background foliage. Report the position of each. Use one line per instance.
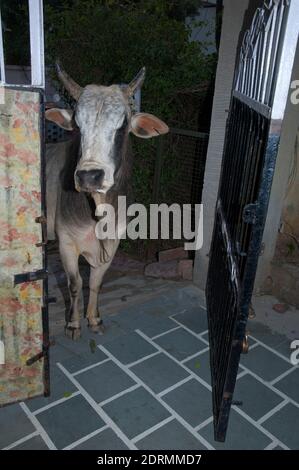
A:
(108, 41)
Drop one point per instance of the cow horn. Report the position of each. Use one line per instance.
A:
(137, 81)
(70, 85)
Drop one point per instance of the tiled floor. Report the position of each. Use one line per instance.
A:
(146, 385)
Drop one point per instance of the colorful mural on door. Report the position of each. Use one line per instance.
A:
(20, 204)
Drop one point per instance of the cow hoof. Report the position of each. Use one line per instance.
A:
(72, 332)
(97, 327)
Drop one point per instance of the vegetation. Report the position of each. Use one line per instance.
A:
(108, 41)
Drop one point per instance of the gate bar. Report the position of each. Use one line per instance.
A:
(37, 43)
(259, 107)
(2, 66)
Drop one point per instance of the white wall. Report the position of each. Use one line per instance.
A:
(280, 183)
(232, 24)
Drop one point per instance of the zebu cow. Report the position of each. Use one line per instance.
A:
(97, 166)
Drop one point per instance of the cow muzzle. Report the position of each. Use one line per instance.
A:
(89, 180)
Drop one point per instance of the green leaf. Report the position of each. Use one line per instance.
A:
(92, 345)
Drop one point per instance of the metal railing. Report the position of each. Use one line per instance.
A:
(179, 173)
(253, 133)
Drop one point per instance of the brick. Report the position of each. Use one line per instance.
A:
(173, 254)
(280, 308)
(185, 269)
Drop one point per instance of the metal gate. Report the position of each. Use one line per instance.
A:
(24, 366)
(253, 130)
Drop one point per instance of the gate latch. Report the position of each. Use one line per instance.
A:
(31, 276)
(250, 213)
(41, 354)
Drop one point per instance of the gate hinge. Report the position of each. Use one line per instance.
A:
(43, 221)
(242, 345)
(250, 213)
(31, 276)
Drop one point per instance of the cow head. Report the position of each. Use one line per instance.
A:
(104, 116)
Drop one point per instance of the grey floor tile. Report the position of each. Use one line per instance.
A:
(241, 435)
(170, 303)
(284, 348)
(290, 385)
(200, 365)
(180, 344)
(130, 319)
(205, 336)
(192, 401)
(105, 440)
(104, 381)
(59, 352)
(265, 334)
(256, 398)
(264, 363)
(157, 307)
(194, 318)
(130, 348)
(60, 386)
(196, 295)
(14, 425)
(78, 362)
(284, 426)
(135, 412)
(158, 326)
(171, 436)
(69, 421)
(35, 443)
(159, 372)
(83, 349)
(181, 299)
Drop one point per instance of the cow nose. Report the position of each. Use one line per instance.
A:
(91, 178)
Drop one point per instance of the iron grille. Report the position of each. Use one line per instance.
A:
(235, 219)
(251, 145)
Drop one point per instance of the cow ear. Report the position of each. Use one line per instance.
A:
(62, 117)
(147, 125)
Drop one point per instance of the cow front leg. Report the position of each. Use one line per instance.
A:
(95, 321)
(69, 257)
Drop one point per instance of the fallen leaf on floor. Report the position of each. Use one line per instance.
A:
(197, 365)
(67, 394)
(92, 345)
